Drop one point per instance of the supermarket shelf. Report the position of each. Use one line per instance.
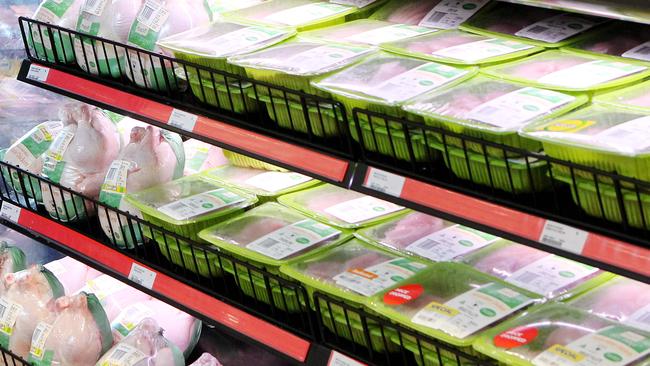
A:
(8, 358)
(628, 10)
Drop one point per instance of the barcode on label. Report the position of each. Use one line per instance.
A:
(526, 277)
(118, 354)
(428, 244)
(90, 4)
(537, 29)
(147, 12)
(436, 17)
(488, 110)
(177, 206)
(37, 333)
(267, 243)
(3, 310)
(111, 173)
(551, 241)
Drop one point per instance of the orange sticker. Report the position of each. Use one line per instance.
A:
(516, 337)
(402, 295)
(363, 273)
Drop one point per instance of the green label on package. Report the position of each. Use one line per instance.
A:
(53, 10)
(371, 280)
(550, 274)
(200, 204)
(389, 33)
(236, 41)
(558, 28)
(362, 209)
(591, 74)
(306, 13)
(482, 50)
(451, 242)
(323, 57)
(277, 181)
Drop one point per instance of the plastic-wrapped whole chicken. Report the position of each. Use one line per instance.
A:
(144, 346)
(12, 258)
(549, 275)
(72, 274)
(366, 31)
(77, 336)
(201, 156)
(621, 299)
(180, 328)
(155, 20)
(27, 154)
(78, 159)
(114, 295)
(26, 298)
(555, 333)
(206, 359)
(429, 13)
(60, 13)
(153, 156)
(97, 18)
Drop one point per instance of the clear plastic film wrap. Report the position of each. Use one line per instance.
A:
(217, 7)
(621, 39)
(113, 295)
(72, 274)
(440, 14)
(365, 31)
(200, 156)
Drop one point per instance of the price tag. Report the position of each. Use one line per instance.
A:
(10, 211)
(38, 73)
(385, 182)
(337, 359)
(183, 120)
(142, 276)
(356, 3)
(564, 237)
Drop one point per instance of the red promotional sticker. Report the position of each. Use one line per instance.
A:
(516, 337)
(402, 295)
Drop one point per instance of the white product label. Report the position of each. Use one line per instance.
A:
(183, 120)
(293, 239)
(550, 274)
(142, 276)
(362, 209)
(357, 3)
(615, 345)
(116, 176)
(103, 287)
(153, 15)
(388, 33)
(39, 337)
(240, 39)
(590, 74)
(38, 73)
(200, 204)
(60, 144)
(9, 312)
(385, 182)
(449, 243)
(337, 359)
(10, 212)
(322, 57)
(371, 280)
(632, 135)
(95, 7)
(124, 355)
(558, 28)
(277, 181)
(482, 50)
(640, 52)
(472, 311)
(130, 317)
(306, 13)
(514, 109)
(640, 319)
(450, 14)
(564, 237)
(57, 268)
(416, 82)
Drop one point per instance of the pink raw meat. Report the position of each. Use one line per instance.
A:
(114, 295)
(616, 46)
(616, 300)
(538, 69)
(412, 228)
(72, 274)
(567, 332)
(503, 262)
(326, 270)
(410, 12)
(206, 359)
(261, 227)
(436, 43)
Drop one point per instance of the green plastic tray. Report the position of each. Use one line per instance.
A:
(224, 236)
(602, 201)
(430, 355)
(393, 143)
(441, 282)
(244, 161)
(513, 176)
(365, 255)
(430, 47)
(634, 97)
(185, 256)
(231, 98)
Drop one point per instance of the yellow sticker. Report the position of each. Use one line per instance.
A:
(567, 125)
(442, 309)
(567, 353)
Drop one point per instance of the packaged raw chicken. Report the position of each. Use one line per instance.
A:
(78, 159)
(77, 336)
(300, 14)
(26, 296)
(461, 48)
(217, 7)
(365, 32)
(59, 13)
(113, 295)
(27, 154)
(546, 274)
(144, 346)
(200, 156)
(152, 157)
(544, 27)
(558, 334)
(613, 139)
(266, 185)
(206, 359)
(12, 259)
(431, 13)
(180, 328)
(72, 274)
(635, 97)
(340, 207)
(156, 20)
(493, 110)
(452, 303)
(620, 299)
(622, 39)
(570, 71)
(426, 236)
